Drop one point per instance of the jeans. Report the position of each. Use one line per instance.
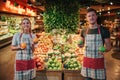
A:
(93, 79)
(88, 78)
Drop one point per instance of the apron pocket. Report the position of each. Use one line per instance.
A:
(94, 63)
(24, 65)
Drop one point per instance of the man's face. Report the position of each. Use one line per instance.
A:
(91, 17)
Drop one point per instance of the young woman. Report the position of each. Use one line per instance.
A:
(23, 44)
(94, 37)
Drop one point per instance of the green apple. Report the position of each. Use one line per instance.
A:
(50, 68)
(79, 67)
(71, 65)
(59, 68)
(53, 58)
(76, 68)
(80, 42)
(48, 63)
(51, 61)
(75, 62)
(55, 68)
(75, 65)
(55, 61)
(57, 64)
(53, 64)
(102, 49)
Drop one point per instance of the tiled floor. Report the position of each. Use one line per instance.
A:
(7, 64)
(113, 65)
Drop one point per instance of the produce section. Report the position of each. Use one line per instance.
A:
(58, 56)
(9, 25)
(58, 51)
(58, 24)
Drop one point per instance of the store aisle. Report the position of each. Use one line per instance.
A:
(7, 64)
(113, 65)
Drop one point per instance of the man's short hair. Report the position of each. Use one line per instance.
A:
(91, 10)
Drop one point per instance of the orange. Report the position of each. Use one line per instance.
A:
(23, 45)
(35, 40)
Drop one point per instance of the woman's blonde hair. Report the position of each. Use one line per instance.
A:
(26, 18)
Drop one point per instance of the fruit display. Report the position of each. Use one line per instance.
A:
(72, 64)
(53, 53)
(44, 44)
(59, 50)
(53, 64)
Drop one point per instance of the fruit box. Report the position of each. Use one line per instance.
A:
(72, 75)
(49, 75)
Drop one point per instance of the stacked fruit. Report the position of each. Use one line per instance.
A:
(72, 64)
(44, 44)
(39, 63)
(53, 64)
(68, 55)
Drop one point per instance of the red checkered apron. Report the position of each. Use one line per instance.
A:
(93, 62)
(25, 66)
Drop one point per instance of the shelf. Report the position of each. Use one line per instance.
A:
(73, 75)
(5, 41)
(49, 75)
(59, 75)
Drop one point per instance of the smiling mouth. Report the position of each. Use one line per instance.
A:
(26, 26)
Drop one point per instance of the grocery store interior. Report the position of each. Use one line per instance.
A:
(58, 25)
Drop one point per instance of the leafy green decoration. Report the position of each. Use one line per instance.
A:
(61, 14)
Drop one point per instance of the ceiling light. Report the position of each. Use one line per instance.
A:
(111, 3)
(97, 11)
(108, 12)
(88, 7)
(108, 8)
(103, 9)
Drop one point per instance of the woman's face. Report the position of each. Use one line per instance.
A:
(26, 25)
(91, 17)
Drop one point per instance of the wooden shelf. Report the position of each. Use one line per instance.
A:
(49, 75)
(5, 41)
(59, 75)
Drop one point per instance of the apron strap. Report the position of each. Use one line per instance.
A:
(30, 36)
(99, 32)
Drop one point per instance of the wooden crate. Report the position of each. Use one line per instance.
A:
(72, 75)
(49, 75)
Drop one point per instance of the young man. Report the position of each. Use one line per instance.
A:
(94, 37)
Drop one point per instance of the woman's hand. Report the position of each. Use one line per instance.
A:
(16, 48)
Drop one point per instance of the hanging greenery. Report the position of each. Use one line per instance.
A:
(61, 14)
